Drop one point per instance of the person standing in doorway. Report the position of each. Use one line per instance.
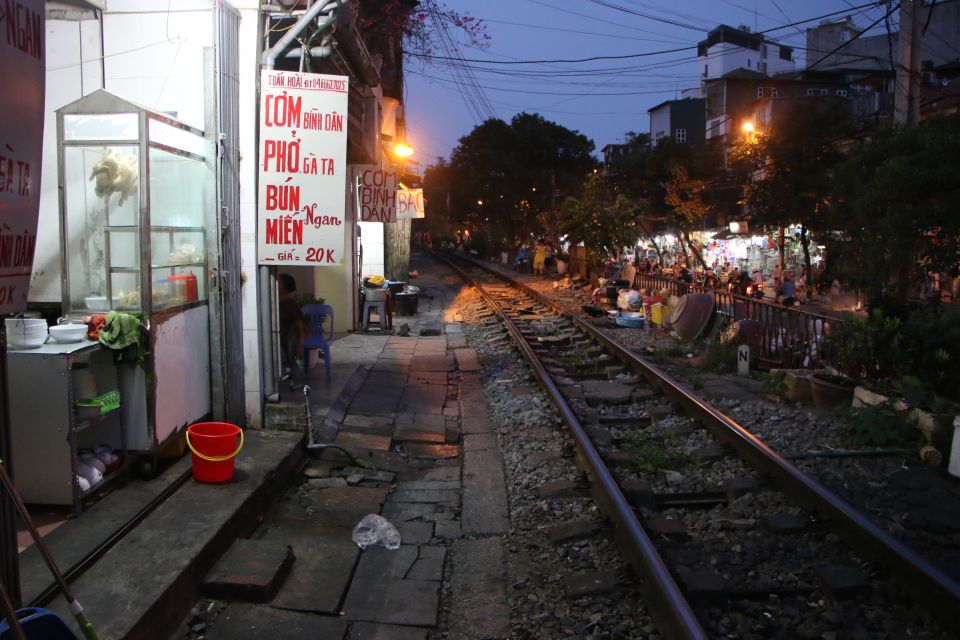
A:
(291, 325)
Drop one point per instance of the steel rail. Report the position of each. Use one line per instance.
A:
(932, 588)
(668, 607)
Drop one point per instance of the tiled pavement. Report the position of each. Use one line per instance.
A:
(418, 423)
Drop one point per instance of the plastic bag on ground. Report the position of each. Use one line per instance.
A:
(629, 299)
(375, 529)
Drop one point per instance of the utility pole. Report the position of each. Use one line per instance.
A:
(906, 97)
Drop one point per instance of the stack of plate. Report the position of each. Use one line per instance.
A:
(26, 333)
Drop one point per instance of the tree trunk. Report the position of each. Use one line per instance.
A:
(656, 248)
(808, 272)
(396, 248)
(696, 252)
(686, 256)
(783, 249)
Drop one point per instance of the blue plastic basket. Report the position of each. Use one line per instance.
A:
(38, 624)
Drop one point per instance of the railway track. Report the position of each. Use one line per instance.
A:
(732, 540)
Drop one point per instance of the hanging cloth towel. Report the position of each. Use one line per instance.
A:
(122, 333)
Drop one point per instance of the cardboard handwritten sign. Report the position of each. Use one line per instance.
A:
(22, 67)
(410, 204)
(302, 166)
(377, 195)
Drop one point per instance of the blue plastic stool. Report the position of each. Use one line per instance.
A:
(38, 624)
(314, 315)
(381, 308)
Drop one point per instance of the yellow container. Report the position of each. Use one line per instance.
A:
(660, 314)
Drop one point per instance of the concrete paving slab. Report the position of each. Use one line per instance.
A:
(467, 359)
(480, 442)
(368, 631)
(377, 563)
(436, 485)
(392, 601)
(415, 532)
(412, 434)
(440, 474)
(397, 512)
(484, 494)
(374, 404)
(320, 576)
(362, 440)
(258, 622)
(480, 609)
(449, 530)
(251, 571)
(337, 507)
(474, 422)
(425, 495)
(429, 563)
(431, 451)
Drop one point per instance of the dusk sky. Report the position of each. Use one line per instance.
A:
(602, 99)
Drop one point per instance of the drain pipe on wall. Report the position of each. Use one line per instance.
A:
(330, 9)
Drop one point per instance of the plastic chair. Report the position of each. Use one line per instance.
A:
(314, 315)
(383, 318)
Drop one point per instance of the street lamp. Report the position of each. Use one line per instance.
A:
(748, 127)
(402, 150)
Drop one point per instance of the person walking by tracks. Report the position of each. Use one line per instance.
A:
(539, 258)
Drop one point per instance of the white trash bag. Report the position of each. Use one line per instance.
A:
(629, 299)
(375, 529)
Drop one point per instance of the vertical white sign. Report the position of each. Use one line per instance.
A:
(302, 168)
(410, 204)
(377, 195)
(22, 65)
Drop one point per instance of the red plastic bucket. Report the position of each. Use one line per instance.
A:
(213, 447)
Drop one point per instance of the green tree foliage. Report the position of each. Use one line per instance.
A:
(604, 221)
(787, 167)
(503, 176)
(897, 199)
(672, 185)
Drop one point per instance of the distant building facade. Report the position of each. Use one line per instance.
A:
(727, 49)
(683, 120)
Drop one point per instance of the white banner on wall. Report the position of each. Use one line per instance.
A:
(377, 195)
(302, 168)
(410, 204)
(22, 67)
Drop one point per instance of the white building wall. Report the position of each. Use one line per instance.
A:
(660, 124)
(722, 58)
(249, 79)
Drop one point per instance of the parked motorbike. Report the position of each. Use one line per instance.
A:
(755, 291)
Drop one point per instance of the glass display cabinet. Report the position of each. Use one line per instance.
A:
(134, 190)
(136, 195)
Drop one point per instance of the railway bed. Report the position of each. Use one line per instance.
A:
(728, 538)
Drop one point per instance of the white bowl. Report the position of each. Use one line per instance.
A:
(68, 332)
